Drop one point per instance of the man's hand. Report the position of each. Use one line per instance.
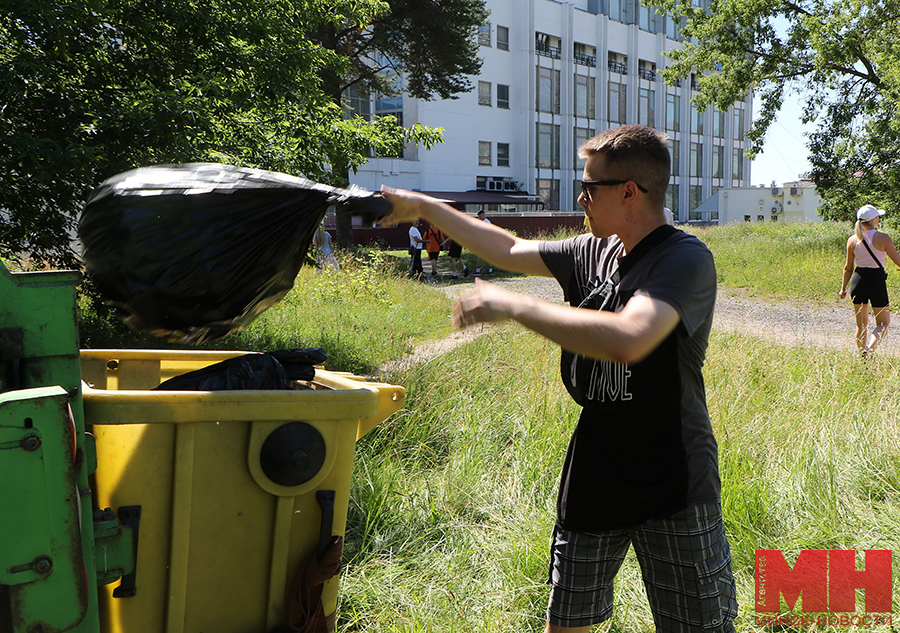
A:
(406, 206)
(487, 304)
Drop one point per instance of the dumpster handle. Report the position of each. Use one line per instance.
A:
(130, 516)
(320, 566)
(325, 499)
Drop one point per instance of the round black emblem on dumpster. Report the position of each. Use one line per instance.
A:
(292, 454)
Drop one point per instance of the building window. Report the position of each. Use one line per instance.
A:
(582, 135)
(548, 145)
(502, 154)
(547, 90)
(617, 63)
(695, 199)
(547, 45)
(673, 27)
(718, 161)
(737, 163)
(391, 106)
(548, 191)
(503, 38)
(718, 123)
(503, 96)
(672, 200)
(484, 34)
(585, 55)
(675, 151)
(484, 93)
(621, 11)
(647, 107)
(618, 96)
(673, 112)
(358, 102)
(648, 18)
(484, 153)
(738, 124)
(695, 83)
(646, 70)
(696, 120)
(584, 96)
(696, 160)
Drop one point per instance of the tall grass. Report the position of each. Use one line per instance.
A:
(784, 261)
(454, 497)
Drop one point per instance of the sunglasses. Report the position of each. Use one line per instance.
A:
(587, 184)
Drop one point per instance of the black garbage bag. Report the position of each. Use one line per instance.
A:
(193, 252)
(269, 370)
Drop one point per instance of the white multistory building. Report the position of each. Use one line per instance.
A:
(554, 74)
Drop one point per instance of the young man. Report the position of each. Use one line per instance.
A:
(415, 250)
(642, 466)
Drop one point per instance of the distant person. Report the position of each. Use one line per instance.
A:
(490, 270)
(434, 241)
(415, 250)
(455, 253)
(322, 243)
(865, 277)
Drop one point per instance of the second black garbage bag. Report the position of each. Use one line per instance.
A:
(195, 251)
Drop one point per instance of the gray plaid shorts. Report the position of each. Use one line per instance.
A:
(685, 563)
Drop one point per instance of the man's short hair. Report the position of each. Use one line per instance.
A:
(635, 152)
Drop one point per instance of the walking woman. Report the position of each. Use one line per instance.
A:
(864, 277)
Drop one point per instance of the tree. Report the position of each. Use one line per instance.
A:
(841, 58)
(90, 88)
(430, 43)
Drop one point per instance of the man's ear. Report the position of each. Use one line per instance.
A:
(630, 192)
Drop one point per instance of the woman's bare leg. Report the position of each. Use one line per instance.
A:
(862, 324)
(882, 321)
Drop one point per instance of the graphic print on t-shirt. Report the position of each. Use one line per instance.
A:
(607, 380)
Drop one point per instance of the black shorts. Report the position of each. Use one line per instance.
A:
(455, 250)
(433, 255)
(867, 285)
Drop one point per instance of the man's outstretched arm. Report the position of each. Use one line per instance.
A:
(627, 336)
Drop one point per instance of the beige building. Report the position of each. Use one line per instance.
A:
(796, 201)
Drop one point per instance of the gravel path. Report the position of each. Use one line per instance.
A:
(783, 323)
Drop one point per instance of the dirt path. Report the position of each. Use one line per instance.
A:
(783, 323)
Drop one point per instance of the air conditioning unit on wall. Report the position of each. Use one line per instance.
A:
(510, 185)
(495, 185)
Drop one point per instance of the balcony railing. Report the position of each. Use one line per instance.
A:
(647, 73)
(617, 67)
(586, 60)
(546, 50)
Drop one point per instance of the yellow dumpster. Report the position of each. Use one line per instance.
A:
(233, 487)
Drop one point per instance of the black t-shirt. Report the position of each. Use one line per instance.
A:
(644, 446)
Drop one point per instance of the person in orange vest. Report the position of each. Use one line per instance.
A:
(434, 241)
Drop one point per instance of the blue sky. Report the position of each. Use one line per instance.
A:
(784, 155)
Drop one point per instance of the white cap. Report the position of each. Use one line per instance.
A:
(868, 212)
